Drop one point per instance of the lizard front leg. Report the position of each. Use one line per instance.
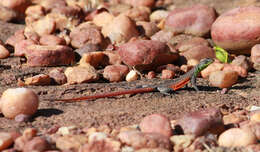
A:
(193, 82)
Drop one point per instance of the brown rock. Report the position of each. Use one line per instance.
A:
(139, 13)
(7, 14)
(103, 18)
(71, 142)
(139, 140)
(35, 11)
(44, 25)
(146, 54)
(38, 55)
(87, 48)
(58, 76)
(163, 36)
(131, 76)
(191, 43)
(76, 75)
(4, 53)
(199, 122)
(19, 143)
(22, 118)
(20, 48)
(237, 137)
(148, 3)
(199, 52)
(255, 116)
(104, 145)
(255, 54)
(254, 127)
(120, 29)
(85, 33)
(29, 133)
(234, 118)
(41, 79)
(212, 68)
(223, 79)
(199, 143)
(148, 28)
(6, 140)
(182, 142)
(17, 5)
(30, 34)
(167, 74)
(151, 75)
(52, 40)
(113, 57)
(156, 123)
(17, 37)
(95, 59)
(238, 39)
(158, 15)
(115, 73)
(186, 68)
(242, 61)
(152, 150)
(195, 20)
(242, 72)
(36, 144)
(48, 4)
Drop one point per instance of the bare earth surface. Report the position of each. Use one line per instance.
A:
(122, 110)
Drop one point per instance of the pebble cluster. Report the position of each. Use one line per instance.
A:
(116, 35)
(203, 130)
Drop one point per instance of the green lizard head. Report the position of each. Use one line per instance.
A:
(202, 65)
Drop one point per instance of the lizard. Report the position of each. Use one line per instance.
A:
(166, 87)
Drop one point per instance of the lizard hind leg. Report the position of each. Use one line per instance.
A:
(165, 90)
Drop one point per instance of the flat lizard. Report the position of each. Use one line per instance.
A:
(166, 87)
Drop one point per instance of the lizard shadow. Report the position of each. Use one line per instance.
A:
(48, 112)
(212, 89)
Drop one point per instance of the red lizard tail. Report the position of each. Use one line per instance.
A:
(108, 94)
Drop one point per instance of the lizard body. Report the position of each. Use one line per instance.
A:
(166, 87)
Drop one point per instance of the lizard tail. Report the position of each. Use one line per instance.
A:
(108, 94)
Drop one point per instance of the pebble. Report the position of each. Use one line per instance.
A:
(120, 29)
(181, 142)
(255, 116)
(237, 137)
(215, 66)
(199, 122)
(238, 39)
(44, 55)
(79, 74)
(115, 73)
(58, 76)
(156, 123)
(131, 76)
(139, 140)
(37, 144)
(95, 59)
(22, 118)
(195, 20)
(41, 79)
(4, 53)
(223, 79)
(167, 74)
(71, 142)
(6, 140)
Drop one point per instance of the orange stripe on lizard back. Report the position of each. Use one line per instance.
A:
(180, 84)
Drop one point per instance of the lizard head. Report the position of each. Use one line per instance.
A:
(203, 64)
